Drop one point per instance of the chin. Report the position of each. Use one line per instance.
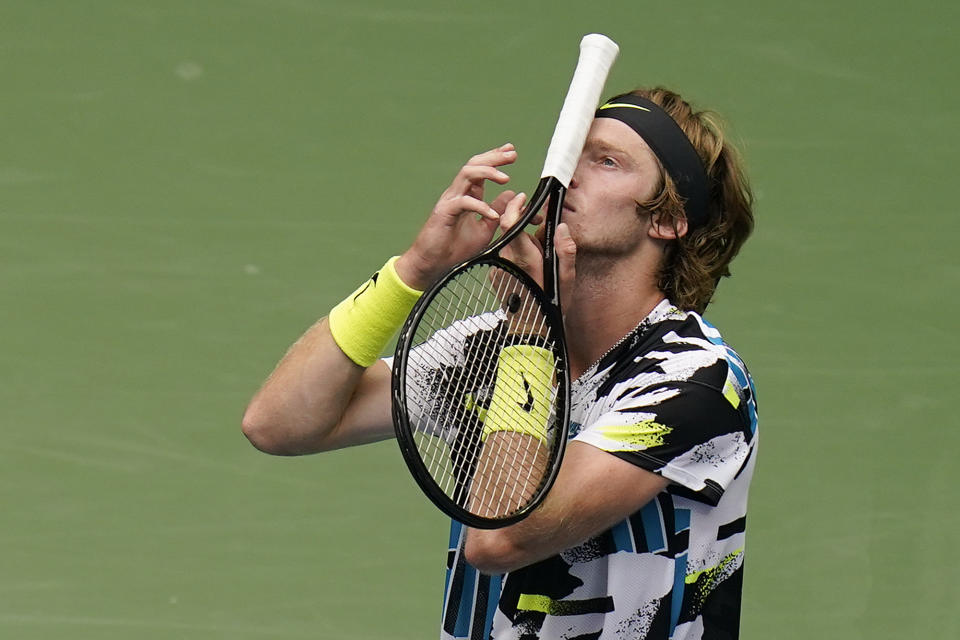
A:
(605, 248)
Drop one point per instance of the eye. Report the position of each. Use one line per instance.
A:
(607, 161)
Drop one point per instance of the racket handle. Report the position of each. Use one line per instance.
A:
(597, 53)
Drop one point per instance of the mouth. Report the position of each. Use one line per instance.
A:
(568, 208)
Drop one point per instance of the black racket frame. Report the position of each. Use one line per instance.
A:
(550, 192)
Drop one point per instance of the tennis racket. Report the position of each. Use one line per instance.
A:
(481, 387)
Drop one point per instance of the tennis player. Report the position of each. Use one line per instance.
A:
(642, 536)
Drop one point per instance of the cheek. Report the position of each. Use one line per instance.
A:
(619, 185)
(620, 195)
(649, 185)
(614, 196)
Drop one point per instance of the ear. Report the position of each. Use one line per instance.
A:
(660, 229)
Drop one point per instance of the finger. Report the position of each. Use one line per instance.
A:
(482, 167)
(454, 207)
(499, 203)
(513, 211)
(566, 249)
(475, 173)
(502, 155)
(525, 250)
(470, 179)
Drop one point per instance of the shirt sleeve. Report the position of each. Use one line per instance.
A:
(690, 433)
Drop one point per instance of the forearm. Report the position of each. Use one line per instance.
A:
(552, 528)
(329, 391)
(301, 405)
(594, 490)
(509, 472)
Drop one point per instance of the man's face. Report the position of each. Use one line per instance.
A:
(616, 171)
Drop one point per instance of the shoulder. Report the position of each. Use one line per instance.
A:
(678, 364)
(679, 403)
(679, 347)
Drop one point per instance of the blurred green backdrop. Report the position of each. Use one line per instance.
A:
(186, 186)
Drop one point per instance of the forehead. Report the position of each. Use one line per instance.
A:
(612, 134)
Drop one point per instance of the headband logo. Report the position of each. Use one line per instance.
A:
(624, 105)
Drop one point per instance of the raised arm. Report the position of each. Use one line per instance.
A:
(320, 398)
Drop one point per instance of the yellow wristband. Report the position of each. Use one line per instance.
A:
(363, 323)
(522, 392)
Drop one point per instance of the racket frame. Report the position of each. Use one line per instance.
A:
(405, 431)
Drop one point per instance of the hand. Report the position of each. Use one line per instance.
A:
(461, 223)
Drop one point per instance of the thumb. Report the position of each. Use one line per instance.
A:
(566, 250)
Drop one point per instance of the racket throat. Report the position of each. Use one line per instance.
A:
(551, 265)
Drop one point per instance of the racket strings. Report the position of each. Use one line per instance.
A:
(464, 302)
(449, 383)
(515, 482)
(456, 351)
(456, 380)
(510, 459)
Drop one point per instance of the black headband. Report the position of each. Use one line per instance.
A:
(670, 144)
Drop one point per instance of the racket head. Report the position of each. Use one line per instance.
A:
(443, 378)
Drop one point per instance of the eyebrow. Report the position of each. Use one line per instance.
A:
(603, 146)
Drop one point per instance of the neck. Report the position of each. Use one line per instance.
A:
(612, 298)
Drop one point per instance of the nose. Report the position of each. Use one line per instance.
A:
(575, 178)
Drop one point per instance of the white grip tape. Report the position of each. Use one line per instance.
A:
(597, 53)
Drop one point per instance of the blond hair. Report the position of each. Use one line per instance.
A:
(694, 263)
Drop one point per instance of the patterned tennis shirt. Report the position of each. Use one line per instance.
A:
(672, 398)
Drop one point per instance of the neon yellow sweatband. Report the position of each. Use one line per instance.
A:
(363, 324)
(522, 391)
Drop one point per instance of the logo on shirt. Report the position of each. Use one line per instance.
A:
(528, 405)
